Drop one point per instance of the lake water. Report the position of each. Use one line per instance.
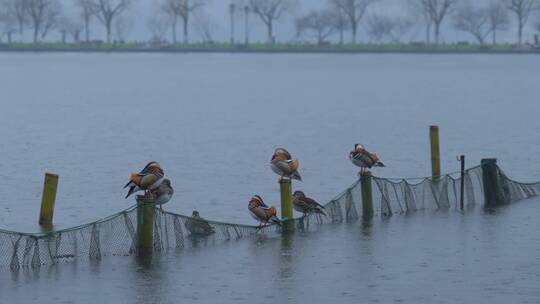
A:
(213, 120)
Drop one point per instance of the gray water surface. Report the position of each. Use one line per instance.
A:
(213, 121)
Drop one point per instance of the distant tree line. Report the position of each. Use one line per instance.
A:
(483, 20)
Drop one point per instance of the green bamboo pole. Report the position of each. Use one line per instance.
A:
(435, 152)
(48, 199)
(367, 196)
(145, 228)
(285, 186)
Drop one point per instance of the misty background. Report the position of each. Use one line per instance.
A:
(213, 19)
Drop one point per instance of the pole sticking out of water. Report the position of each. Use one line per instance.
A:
(367, 196)
(48, 199)
(462, 182)
(435, 152)
(285, 187)
(496, 190)
(145, 227)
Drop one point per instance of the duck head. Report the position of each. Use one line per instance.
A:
(256, 200)
(358, 148)
(281, 154)
(299, 194)
(195, 214)
(167, 182)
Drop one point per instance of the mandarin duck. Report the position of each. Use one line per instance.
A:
(284, 166)
(364, 159)
(163, 193)
(261, 212)
(198, 226)
(306, 205)
(150, 178)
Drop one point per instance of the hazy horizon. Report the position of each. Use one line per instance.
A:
(136, 22)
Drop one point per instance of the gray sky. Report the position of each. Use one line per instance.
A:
(217, 11)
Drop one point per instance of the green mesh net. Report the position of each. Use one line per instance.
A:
(116, 235)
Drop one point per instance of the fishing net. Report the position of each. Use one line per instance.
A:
(484, 185)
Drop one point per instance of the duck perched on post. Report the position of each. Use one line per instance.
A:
(261, 212)
(364, 159)
(306, 205)
(148, 179)
(162, 194)
(284, 166)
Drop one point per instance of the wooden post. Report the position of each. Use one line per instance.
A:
(462, 182)
(495, 191)
(285, 186)
(145, 227)
(367, 196)
(435, 152)
(48, 199)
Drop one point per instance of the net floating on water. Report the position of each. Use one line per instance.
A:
(116, 234)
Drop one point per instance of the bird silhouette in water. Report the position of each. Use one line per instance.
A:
(198, 226)
(364, 159)
(284, 166)
(261, 212)
(148, 179)
(306, 205)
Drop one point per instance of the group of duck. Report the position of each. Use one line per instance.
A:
(158, 189)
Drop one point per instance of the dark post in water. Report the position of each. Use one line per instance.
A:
(48, 199)
(462, 183)
(494, 189)
(145, 227)
(367, 196)
(435, 152)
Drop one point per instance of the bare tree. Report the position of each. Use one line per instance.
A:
(522, 9)
(16, 11)
(170, 8)
(247, 10)
(498, 18)
(87, 11)
(342, 24)
(67, 26)
(385, 26)
(270, 11)
(473, 20)
(436, 11)
(319, 24)
(43, 16)
(107, 11)
(418, 10)
(205, 26)
(232, 11)
(184, 9)
(8, 22)
(354, 10)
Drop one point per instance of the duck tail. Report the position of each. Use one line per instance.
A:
(128, 184)
(296, 176)
(131, 191)
(379, 164)
(275, 220)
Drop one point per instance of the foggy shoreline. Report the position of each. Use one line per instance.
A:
(269, 50)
